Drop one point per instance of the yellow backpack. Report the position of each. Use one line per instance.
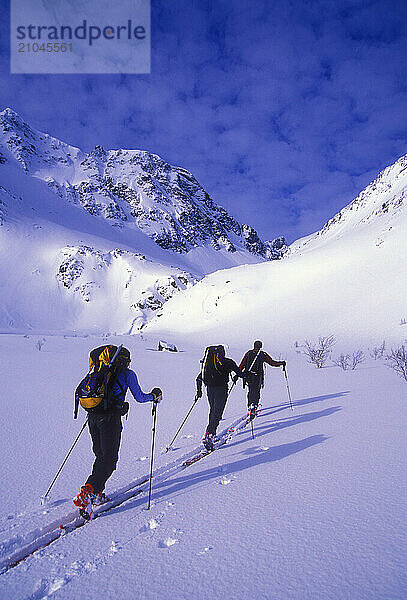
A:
(104, 362)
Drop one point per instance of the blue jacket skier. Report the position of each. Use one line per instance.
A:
(105, 427)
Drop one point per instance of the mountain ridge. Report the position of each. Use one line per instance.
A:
(132, 188)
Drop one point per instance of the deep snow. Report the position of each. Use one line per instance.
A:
(313, 507)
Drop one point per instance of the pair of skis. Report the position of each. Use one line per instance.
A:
(222, 440)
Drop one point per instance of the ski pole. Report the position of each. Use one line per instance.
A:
(231, 388)
(252, 429)
(182, 424)
(44, 498)
(105, 381)
(288, 388)
(154, 413)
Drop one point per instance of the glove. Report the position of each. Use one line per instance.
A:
(124, 409)
(157, 395)
(199, 387)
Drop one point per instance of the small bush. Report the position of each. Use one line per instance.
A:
(378, 351)
(350, 361)
(342, 361)
(358, 358)
(397, 360)
(39, 343)
(319, 352)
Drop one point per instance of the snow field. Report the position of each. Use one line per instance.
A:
(312, 507)
(349, 287)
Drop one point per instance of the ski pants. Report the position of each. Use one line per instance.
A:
(253, 393)
(217, 396)
(105, 431)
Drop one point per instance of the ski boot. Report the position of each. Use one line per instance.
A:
(252, 411)
(99, 499)
(84, 501)
(208, 441)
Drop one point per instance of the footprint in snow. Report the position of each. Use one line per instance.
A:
(205, 550)
(256, 450)
(167, 542)
(45, 588)
(114, 547)
(226, 480)
(150, 526)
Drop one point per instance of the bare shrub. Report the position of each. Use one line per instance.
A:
(350, 361)
(358, 358)
(397, 360)
(39, 343)
(342, 361)
(319, 352)
(378, 351)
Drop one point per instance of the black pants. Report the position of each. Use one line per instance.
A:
(217, 396)
(253, 393)
(105, 431)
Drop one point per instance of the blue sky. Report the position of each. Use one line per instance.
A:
(284, 110)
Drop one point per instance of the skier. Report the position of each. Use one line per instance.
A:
(253, 374)
(216, 369)
(105, 427)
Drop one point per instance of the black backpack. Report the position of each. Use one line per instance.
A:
(253, 370)
(97, 385)
(213, 365)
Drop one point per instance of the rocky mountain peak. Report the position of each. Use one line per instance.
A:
(131, 188)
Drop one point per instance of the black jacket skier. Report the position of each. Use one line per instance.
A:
(215, 375)
(252, 365)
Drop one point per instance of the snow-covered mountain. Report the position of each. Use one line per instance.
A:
(379, 207)
(131, 188)
(104, 239)
(347, 279)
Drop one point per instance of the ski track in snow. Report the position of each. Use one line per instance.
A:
(50, 534)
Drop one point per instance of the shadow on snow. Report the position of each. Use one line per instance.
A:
(180, 484)
(272, 426)
(303, 402)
